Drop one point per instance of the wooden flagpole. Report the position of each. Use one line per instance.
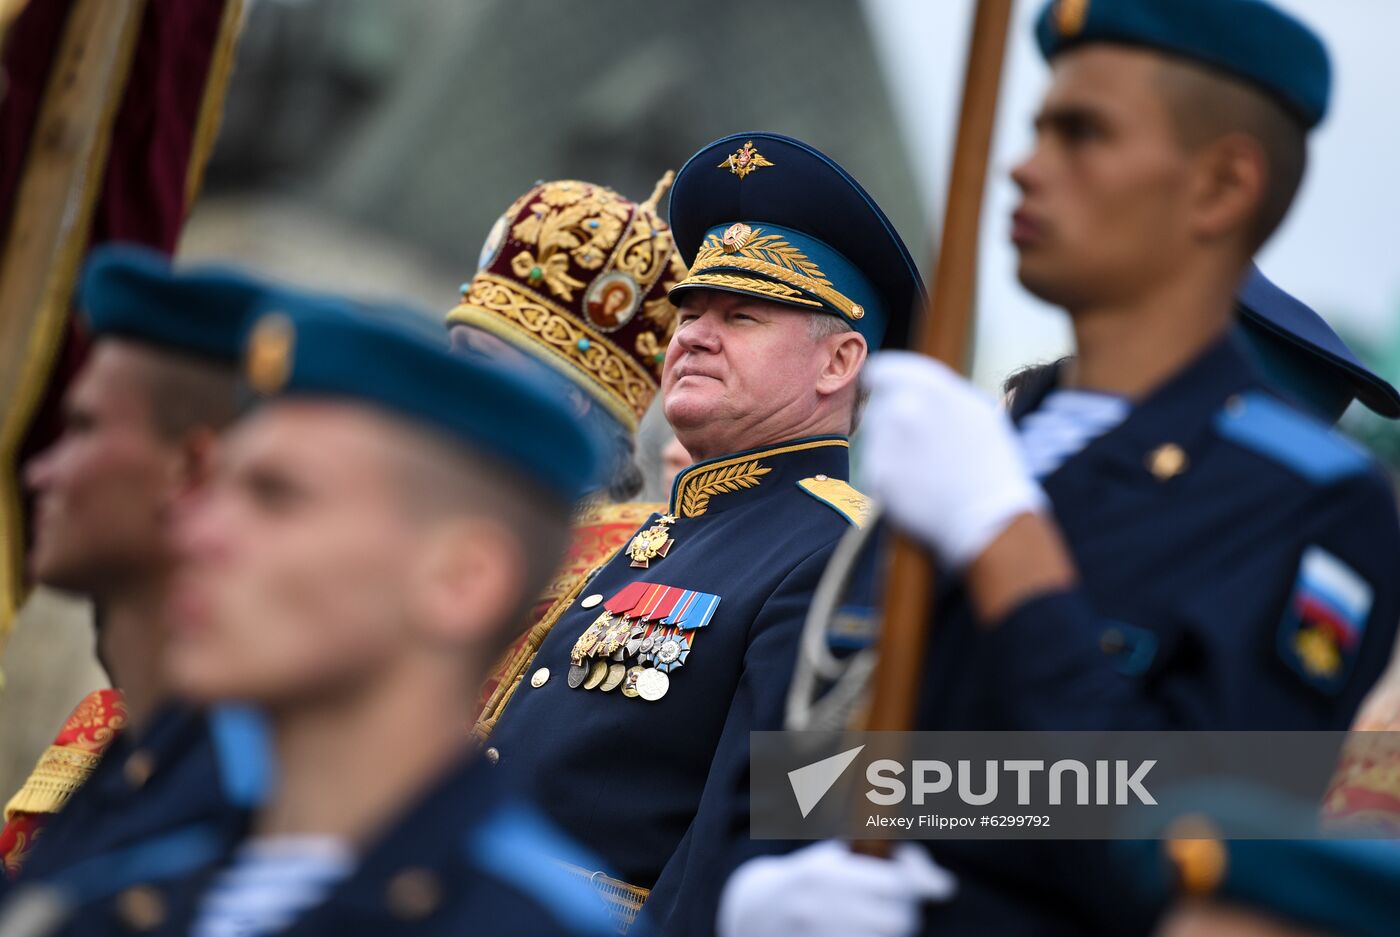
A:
(942, 332)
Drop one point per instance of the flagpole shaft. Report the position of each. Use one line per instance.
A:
(943, 332)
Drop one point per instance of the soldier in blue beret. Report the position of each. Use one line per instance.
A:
(656, 668)
(1154, 539)
(365, 551)
(1261, 886)
(143, 419)
(1289, 888)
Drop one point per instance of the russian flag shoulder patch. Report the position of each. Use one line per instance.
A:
(1325, 619)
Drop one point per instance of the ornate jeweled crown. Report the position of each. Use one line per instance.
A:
(577, 275)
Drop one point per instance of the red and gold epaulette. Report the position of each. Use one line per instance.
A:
(63, 768)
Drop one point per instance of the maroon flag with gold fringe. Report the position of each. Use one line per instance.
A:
(108, 115)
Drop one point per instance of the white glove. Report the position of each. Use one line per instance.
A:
(826, 889)
(942, 459)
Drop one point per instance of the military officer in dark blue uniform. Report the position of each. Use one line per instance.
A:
(354, 569)
(1168, 544)
(658, 666)
(144, 416)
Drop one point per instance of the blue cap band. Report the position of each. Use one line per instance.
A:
(784, 265)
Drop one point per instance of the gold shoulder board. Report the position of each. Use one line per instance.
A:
(840, 497)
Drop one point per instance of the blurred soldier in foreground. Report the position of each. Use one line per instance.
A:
(1263, 887)
(656, 668)
(1217, 559)
(365, 552)
(1288, 888)
(142, 424)
(576, 276)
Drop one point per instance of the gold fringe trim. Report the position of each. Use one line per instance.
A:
(211, 108)
(46, 328)
(58, 774)
(623, 900)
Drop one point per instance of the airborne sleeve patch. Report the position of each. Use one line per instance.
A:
(1325, 618)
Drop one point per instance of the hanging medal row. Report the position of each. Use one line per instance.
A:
(644, 634)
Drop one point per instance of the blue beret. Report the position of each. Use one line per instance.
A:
(398, 360)
(1346, 887)
(1297, 349)
(1249, 39)
(134, 292)
(765, 215)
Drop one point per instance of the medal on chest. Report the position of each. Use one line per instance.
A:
(644, 634)
(652, 543)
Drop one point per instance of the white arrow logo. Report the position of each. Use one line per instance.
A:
(811, 782)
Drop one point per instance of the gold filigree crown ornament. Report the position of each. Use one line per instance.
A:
(577, 276)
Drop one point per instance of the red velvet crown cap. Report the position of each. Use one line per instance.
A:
(577, 276)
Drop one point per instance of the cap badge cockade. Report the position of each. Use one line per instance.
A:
(745, 160)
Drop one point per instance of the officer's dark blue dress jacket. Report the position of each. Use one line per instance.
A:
(467, 858)
(625, 775)
(1193, 567)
